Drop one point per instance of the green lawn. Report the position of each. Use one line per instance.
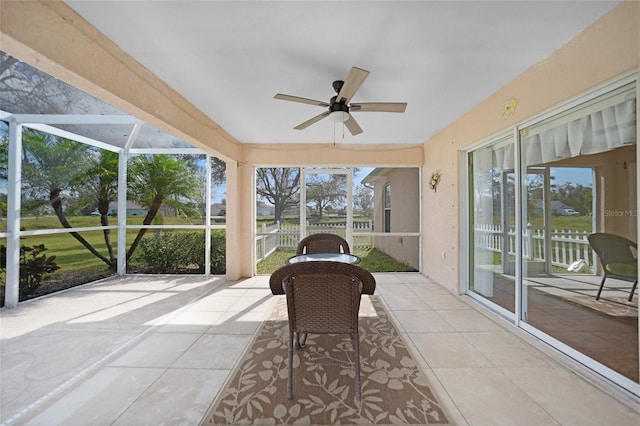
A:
(571, 223)
(79, 265)
(372, 260)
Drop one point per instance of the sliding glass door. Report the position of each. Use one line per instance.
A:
(579, 178)
(530, 254)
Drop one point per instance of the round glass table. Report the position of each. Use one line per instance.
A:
(327, 257)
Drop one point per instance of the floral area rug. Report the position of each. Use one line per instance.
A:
(394, 389)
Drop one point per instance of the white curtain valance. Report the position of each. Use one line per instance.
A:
(600, 131)
(503, 157)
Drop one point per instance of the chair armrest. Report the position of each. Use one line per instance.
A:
(276, 281)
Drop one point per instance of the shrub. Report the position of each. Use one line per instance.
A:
(34, 264)
(218, 256)
(174, 252)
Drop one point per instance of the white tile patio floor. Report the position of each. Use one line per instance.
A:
(150, 350)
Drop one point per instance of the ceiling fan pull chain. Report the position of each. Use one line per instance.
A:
(334, 134)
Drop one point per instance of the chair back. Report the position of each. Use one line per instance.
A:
(612, 248)
(324, 297)
(323, 243)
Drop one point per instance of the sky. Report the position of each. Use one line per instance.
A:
(578, 175)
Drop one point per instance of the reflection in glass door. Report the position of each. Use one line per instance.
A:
(576, 176)
(492, 222)
(579, 165)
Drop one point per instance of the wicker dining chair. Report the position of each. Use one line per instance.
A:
(323, 243)
(322, 298)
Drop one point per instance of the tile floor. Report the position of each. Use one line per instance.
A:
(155, 350)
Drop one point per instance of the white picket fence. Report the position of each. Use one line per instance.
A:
(566, 246)
(286, 236)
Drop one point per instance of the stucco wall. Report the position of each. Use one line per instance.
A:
(605, 50)
(405, 214)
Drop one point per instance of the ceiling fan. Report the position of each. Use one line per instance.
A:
(339, 106)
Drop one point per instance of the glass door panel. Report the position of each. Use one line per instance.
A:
(491, 223)
(579, 177)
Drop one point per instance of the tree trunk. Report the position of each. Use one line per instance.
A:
(56, 203)
(104, 221)
(153, 211)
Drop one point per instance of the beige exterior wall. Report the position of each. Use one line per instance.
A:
(607, 49)
(405, 214)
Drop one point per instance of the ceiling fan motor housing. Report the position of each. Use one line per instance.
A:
(334, 105)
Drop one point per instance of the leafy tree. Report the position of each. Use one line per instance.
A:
(218, 176)
(578, 196)
(323, 192)
(4, 155)
(154, 180)
(29, 90)
(279, 186)
(363, 200)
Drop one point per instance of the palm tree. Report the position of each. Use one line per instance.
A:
(60, 170)
(102, 180)
(54, 168)
(154, 180)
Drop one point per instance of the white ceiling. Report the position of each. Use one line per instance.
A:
(229, 58)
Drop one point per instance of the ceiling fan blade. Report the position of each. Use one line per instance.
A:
(379, 106)
(312, 120)
(301, 100)
(353, 82)
(353, 126)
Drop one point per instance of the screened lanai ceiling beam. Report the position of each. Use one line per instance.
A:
(37, 122)
(73, 136)
(166, 151)
(76, 119)
(132, 137)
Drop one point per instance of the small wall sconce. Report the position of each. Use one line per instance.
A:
(435, 180)
(509, 107)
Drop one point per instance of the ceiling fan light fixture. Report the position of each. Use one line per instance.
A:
(339, 116)
(339, 106)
